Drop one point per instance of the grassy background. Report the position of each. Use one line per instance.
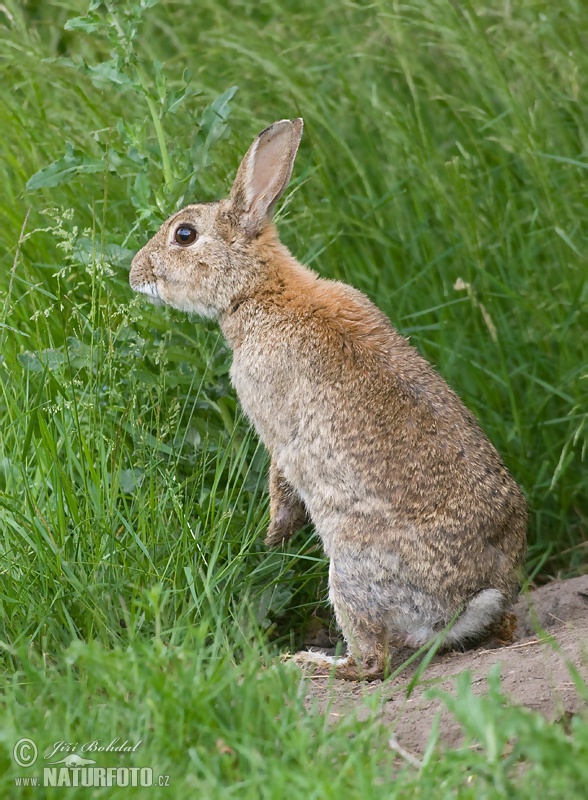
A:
(442, 171)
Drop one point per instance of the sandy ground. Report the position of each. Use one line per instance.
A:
(534, 672)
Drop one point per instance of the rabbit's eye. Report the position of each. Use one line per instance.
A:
(185, 234)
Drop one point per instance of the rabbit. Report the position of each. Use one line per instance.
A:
(421, 521)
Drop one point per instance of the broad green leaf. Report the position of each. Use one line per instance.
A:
(64, 169)
(79, 353)
(36, 362)
(131, 480)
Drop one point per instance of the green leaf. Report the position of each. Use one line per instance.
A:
(212, 126)
(108, 73)
(36, 362)
(160, 80)
(65, 169)
(82, 24)
(131, 480)
(85, 252)
(140, 193)
(77, 62)
(175, 99)
(79, 354)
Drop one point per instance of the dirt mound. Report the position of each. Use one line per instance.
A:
(533, 669)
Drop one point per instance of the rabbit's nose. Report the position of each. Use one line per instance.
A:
(141, 271)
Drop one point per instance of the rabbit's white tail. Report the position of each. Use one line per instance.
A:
(482, 610)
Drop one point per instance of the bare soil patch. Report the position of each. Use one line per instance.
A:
(533, 669)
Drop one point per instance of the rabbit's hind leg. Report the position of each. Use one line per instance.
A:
(368, 643)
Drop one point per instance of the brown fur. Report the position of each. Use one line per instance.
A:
(419, 516)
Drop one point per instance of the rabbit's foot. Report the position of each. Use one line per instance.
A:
(341, 667)
(318, 664)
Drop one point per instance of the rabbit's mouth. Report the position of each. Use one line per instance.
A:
(150, 290)
(147, 287)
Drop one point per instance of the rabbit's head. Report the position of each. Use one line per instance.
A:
(204, 257)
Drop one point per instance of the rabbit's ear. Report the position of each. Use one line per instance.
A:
(264, 173)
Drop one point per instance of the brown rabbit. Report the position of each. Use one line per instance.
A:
(421, 521)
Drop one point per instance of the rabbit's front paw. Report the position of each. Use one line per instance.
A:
(278, 533)
(286, 522)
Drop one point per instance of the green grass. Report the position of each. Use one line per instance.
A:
(442, 171)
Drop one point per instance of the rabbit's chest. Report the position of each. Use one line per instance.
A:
(271, 404)
(294, 421)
